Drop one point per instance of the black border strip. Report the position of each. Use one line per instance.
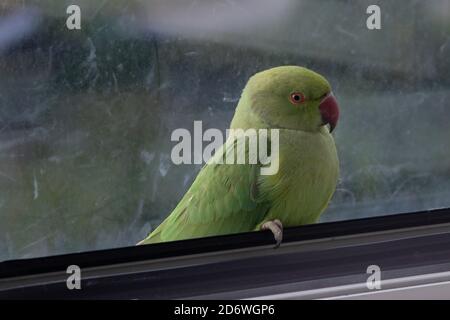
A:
(23, 267)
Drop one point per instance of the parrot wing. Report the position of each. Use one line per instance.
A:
(223, 199)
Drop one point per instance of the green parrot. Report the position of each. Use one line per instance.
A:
(225, 199)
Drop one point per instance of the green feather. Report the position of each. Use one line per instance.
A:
(226, 199)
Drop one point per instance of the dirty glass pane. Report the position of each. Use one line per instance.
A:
(86, 115)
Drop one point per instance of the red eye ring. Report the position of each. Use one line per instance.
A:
(297, 98)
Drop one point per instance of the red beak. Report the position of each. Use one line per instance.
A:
(329, 110)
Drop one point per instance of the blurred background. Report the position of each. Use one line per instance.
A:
(86, 115)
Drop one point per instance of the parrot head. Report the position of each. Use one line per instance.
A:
(287, 97)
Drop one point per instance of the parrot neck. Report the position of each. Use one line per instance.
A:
(247, 121)
(244, 118)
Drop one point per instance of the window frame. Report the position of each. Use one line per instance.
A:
(115, 272)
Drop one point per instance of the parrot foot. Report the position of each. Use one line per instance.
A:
(277, 229)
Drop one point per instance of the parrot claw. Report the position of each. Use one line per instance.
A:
(277, 229)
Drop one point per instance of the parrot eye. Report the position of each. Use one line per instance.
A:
(297, 98)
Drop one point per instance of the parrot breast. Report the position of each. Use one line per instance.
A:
(306, 179)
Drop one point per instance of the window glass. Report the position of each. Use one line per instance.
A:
(86, 115)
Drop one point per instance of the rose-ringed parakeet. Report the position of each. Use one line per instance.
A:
(225, 199)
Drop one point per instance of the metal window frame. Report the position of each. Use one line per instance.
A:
(312, 257)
